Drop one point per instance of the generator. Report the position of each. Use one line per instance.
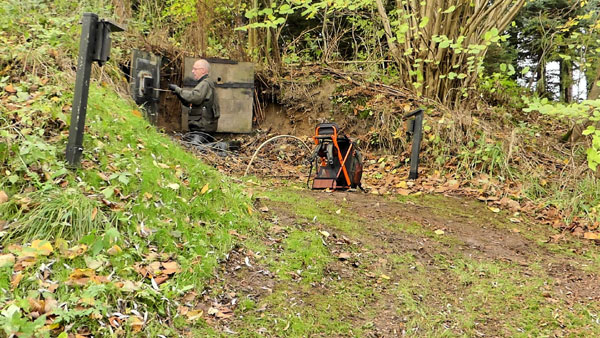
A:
(337, 159)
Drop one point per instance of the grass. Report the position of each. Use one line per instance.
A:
(446, 293)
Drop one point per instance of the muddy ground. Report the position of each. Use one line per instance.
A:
(426, 265)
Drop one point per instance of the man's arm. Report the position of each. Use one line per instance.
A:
(194, 96)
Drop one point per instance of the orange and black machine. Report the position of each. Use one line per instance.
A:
(337, 159)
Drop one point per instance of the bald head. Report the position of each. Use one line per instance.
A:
(201, 67)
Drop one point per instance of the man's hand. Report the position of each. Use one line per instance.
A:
(174, 88)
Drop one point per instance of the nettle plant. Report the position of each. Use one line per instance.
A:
(584, 112)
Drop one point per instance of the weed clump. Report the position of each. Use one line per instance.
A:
(66, 214)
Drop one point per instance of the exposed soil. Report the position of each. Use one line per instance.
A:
(477, 233)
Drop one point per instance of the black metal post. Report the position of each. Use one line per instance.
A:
(417, 134)
(94, 45)
(82, 87)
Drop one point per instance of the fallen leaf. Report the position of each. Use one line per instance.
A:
(516, 230)
(324, 233)
(264, 209)
(136, 323)
(3, 197)
(94, 213)
(173, 186)
(42, 247)
(16, 279)
(75, 251)
(195, 314)
(515, 220)
(212, 311)
(204, 189)
(170, 267)
(338, 211)
(10, 89)
(439, 232)
(7, 260)
(137, 113)
(494, 209)
(114, 250)
(384, 276)
(224, 313)
(344, 256)
(591, 235)
(130, 286)
(92, 263)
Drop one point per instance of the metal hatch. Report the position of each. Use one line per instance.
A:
(145, 76)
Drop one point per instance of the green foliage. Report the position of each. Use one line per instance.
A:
(578, 112)
(14, 324)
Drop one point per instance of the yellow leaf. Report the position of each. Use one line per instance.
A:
(194, 314)
(7, 260)
(591, 235)
(338, 211)
(137, 323)
(204, 189)
(16, 279)
(439, 232)
(137, 113)
(43, 248)
(250, 212)
(114, 250)
(384, 276)
(173, 186)
(402, 185)
(493, 209)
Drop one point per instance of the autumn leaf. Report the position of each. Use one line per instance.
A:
(204, 189)
(3, 197)
(194, 315)
(10, 89)
(16, 279)
(43, 248)
(439, 232)
(7, 260)
(591, 235)
(170, 267)
(136, 112)
(136, 323)
(114, 250)
(173, 186)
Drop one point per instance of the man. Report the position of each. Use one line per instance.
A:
(201, 100)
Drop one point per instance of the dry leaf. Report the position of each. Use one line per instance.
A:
(194, 314)
(173, 186)
(136, 112)
(384, 276)
(16, 279)
(204, 189)
(494, 209)
(43, 248)
(137, 323)
(10, 89)
(338, 211)
(324, 233)
(94, 213)
(439, 232)
(170, 267)
(344, 256)
(3, 197)
(114, 250)
(591, 235)
(7, 260)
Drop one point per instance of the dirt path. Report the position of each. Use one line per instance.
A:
(355, 264)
